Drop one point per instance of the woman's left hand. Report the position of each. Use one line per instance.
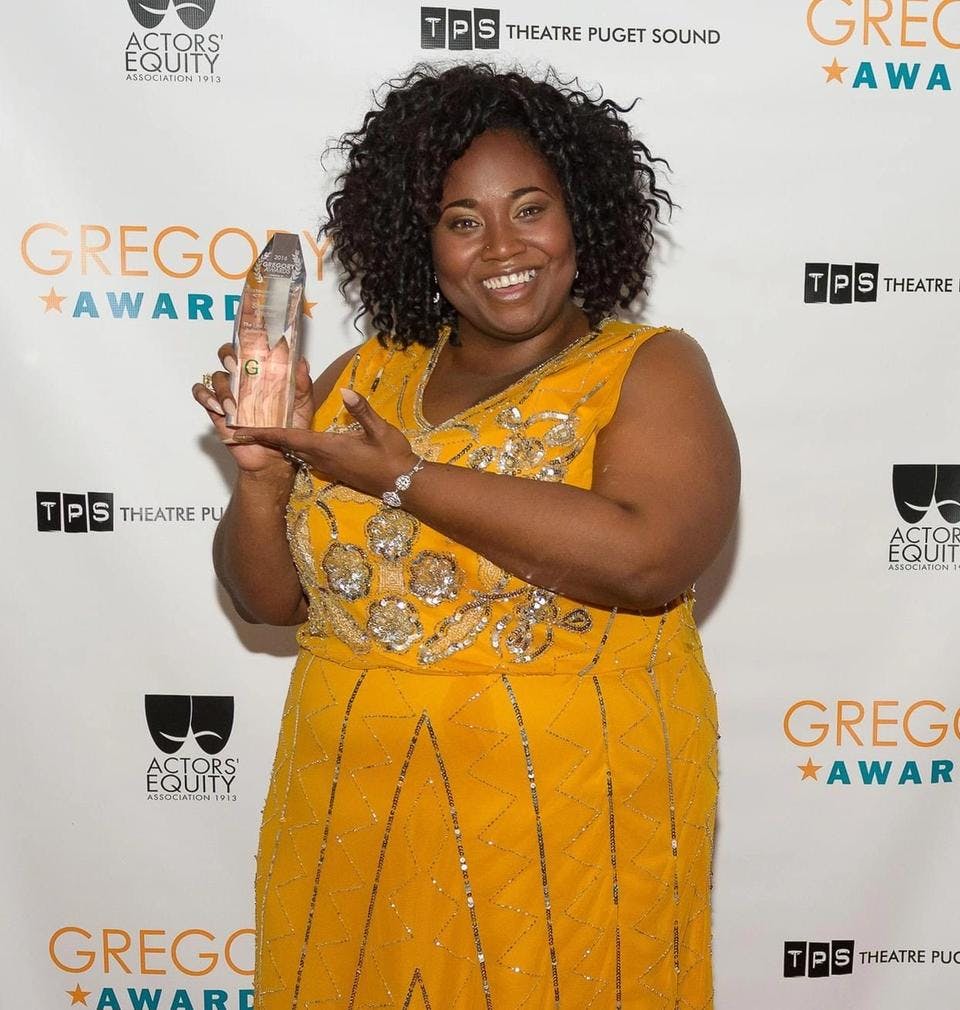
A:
(368, 461)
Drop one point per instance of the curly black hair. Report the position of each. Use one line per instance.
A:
(380, 218)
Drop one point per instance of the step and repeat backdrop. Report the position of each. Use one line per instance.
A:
(148, 150)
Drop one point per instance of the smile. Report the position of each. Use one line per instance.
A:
(509, 280)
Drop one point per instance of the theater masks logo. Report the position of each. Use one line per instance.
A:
(919, 486)
(172, 718)
(193, 13)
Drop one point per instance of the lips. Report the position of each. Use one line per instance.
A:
(509, 280)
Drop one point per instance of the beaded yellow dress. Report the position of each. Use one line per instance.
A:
(485, 795)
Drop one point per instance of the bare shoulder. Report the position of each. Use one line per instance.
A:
(323, 384)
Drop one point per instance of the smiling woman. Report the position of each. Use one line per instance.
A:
(496, 777)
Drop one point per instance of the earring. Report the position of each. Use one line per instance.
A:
(436, 291)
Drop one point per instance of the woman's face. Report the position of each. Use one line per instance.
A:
(503, 248)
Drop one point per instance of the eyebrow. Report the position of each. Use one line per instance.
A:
(515, 194)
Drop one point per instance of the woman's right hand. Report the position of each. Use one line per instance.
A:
(253, 459)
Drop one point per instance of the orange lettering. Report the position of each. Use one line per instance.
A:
(144, 950)
(194, 257)
(844, 723)
(65, 253)
(93, 251)
(823, 727)
(318, 250)
(878, 722)
(838, 40)
(228, 951)
(213, 252)
(941, 726)
(875, 20)
(125, 248)
(941, 38)
(207, 955)
(88, 956)
(109, 951)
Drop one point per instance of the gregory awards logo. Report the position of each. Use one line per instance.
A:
(894, 45)
(927, 497)
(190, 722)
(173, 53)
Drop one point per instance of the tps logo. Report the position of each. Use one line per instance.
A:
(75, 513)
(918, 486)
(841, 283)
(817, 960)
(193, 13)
(450, 28)
(172, 717)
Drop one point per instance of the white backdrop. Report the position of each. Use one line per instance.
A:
(143, 192)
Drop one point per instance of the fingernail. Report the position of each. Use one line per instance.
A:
(238, 437)
(214, 405)
(350, 398)
(229, 406)
(230, 363)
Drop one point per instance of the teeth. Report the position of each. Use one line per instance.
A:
(508, 280)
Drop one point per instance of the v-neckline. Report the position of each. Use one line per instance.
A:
(425, 425)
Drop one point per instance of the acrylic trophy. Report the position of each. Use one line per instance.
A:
(266, 336)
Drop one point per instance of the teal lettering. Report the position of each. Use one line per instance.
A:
(865, 76)
(85, 306)
(199, 306)
(941, 771)
(838, 773)
(875, 772)
(164, 307)
(230, 303)
(214, 999)
(144, 999)
(181, 1000)
(246, 999)
(939, 78)
(910, 773)
(900, 73)
(124, 305)
(108, 1000)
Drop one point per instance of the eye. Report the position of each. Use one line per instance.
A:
(530, 210)
(463, 224)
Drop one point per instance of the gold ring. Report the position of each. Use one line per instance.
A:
(207, 380)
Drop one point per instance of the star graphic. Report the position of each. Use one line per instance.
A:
(308, 308)
(52, 301)
(810, 770)
(77, 995)
(835, 72)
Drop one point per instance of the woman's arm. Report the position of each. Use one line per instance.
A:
(251, 555)
(664, 495)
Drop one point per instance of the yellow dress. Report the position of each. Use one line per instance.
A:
(486, 796)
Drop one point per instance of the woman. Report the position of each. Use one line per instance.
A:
(496, 776)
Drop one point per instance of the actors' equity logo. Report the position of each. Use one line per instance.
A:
(925, 493)
(451, 28)
(840, 283)
(173, 717)
(193, 13)
(172, 720)
(924, 33)
(814, 959)
(86, 512)
(173, 57)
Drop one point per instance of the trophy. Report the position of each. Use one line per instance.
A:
(266, 336)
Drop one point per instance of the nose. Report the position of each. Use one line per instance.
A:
(503, 241)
